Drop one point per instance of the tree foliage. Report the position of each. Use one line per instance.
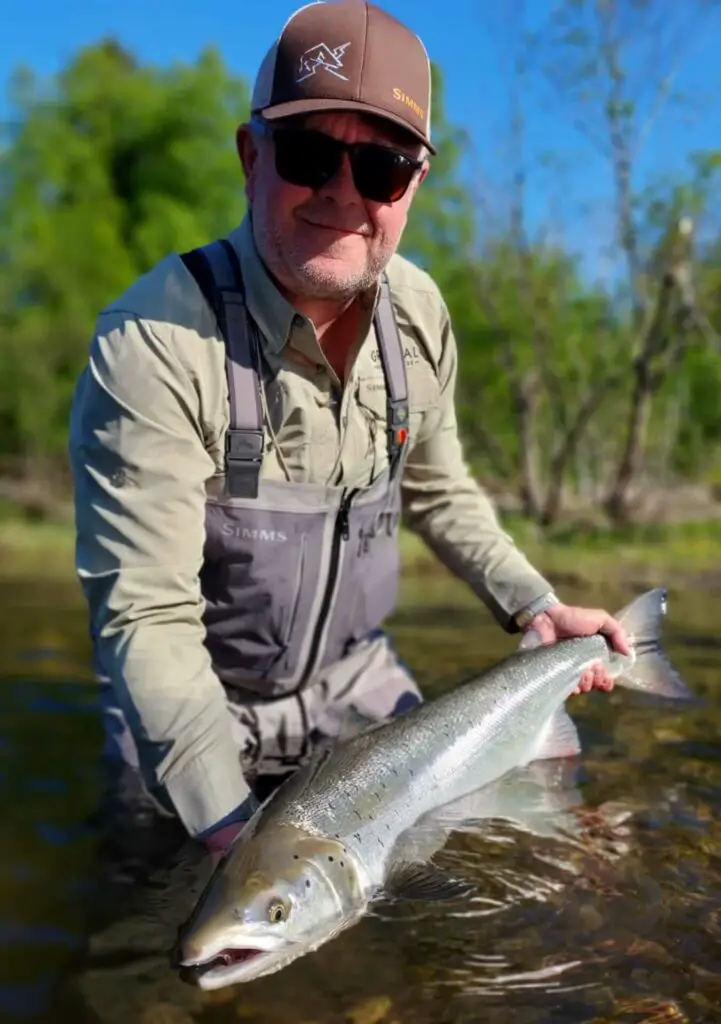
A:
(102, 174)
(571, 391)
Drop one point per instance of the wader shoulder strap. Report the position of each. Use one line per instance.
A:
(390, 348)
(216, 269)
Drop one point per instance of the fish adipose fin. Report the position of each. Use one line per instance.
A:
(648, 669)
(409, 881)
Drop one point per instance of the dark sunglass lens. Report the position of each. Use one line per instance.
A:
(305, 158)
(381, 174)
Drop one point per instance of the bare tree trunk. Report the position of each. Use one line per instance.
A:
(569, 445)
(664, 343)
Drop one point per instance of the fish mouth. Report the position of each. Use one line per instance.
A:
(219, 966)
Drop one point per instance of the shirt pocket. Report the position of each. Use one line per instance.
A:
(371, 397)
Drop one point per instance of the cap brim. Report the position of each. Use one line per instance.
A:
(310, 106)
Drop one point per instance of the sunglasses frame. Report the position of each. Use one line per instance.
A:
(267, 130)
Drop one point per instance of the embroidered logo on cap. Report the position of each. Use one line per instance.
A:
(321, 56)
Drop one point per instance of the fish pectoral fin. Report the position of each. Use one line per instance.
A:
(558, 739)
(416, 881)
(354, 723)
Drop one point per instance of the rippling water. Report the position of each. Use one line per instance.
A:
(624, 928)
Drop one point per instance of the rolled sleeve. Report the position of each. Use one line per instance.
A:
(139, 467)
(450, 511)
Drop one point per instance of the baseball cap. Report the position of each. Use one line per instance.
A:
(347, 55)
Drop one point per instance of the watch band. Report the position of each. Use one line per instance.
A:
(541, 604)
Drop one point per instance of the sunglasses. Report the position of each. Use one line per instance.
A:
(310, 159)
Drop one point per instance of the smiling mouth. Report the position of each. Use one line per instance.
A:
(338, 229)
(227, 958)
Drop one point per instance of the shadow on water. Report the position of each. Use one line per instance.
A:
(626, 928)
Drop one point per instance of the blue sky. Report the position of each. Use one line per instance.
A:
(44, 34)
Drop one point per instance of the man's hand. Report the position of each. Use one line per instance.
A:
(562, 620)
(218, 842)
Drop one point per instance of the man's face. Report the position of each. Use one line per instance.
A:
(331, 242)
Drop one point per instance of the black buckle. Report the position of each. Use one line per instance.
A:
(243, 456)
(397, 424)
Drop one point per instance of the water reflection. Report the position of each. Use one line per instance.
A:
(625, 927)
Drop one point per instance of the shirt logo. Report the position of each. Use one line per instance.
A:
(321, 56)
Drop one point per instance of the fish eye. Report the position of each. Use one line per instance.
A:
(277, 912)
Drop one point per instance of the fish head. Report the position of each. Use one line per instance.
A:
(276, 895)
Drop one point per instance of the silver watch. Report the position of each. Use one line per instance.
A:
(541, 604)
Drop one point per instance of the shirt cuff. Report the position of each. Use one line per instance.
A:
(203, 799)
(243, 812)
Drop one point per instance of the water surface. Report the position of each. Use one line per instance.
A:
(626, 929)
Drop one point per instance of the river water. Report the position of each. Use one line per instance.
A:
(625, 929)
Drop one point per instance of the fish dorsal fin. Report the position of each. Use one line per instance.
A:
(558, 739)
(416, 881)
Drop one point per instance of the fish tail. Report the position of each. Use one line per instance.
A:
(648, 668)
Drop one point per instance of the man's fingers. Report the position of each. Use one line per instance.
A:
(587, 681)
(615, 632)
(545, 629)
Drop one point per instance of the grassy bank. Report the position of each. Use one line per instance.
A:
(35, 549)
(675, 553)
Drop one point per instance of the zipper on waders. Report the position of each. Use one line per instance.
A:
(341, 534)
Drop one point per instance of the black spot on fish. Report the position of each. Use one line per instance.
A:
(356, 835)
(342, 864)
(336, 835)
(330, 858)
(295, 856)
(357, 814)
(307, 883)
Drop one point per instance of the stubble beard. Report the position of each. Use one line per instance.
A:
(322, 278)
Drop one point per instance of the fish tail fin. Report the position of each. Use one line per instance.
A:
(648, 669)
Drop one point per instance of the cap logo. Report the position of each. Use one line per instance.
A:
(322, 56)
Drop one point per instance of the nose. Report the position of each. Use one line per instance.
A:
(341, 186)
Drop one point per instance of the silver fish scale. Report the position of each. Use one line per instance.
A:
(367, 790)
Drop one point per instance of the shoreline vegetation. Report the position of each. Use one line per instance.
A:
(677, 554)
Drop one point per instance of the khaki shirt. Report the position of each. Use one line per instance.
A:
(147, 435)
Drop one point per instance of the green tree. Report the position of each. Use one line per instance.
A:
(103, 173)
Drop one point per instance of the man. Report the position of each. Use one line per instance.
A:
(252, 422)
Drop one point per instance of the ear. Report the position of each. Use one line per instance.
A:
(422, 174)
(247, 148)
(419, 179)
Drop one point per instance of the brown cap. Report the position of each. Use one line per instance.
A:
(347, 55)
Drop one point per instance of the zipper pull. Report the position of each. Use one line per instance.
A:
(343, 513)
(343, 518)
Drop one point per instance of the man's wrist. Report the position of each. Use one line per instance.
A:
(541, 604)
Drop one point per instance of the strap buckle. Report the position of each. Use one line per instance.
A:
(243, 457)
(397, 424)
